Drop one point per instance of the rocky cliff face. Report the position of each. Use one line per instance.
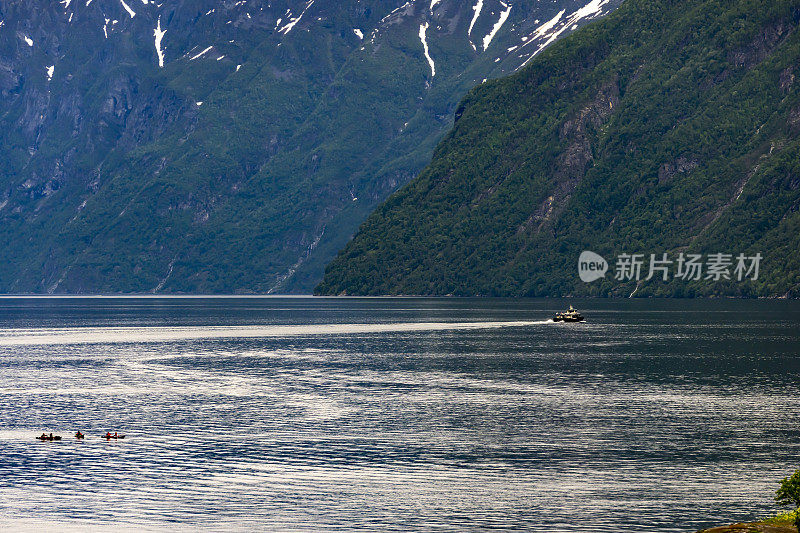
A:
(221, 146)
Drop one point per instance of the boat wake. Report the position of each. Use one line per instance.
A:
(102, 335)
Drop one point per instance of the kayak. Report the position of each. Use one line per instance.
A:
(55, 437)
(109, 437)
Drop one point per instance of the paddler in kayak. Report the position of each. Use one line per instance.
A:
(79, 435)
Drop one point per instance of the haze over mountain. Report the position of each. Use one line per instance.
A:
(220, 146)
(668, 127)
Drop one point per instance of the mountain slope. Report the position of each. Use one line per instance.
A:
(219, 146)
(667, 127)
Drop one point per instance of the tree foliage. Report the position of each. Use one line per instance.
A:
(789, 494)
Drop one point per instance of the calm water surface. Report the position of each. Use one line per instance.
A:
(395, 414)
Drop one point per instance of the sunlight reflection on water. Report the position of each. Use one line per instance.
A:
(441, 415)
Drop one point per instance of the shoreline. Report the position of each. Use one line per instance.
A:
(768, 526)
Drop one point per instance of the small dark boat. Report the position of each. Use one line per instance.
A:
(568, 316)
(79, 435)
(109, 437)
(51, 437)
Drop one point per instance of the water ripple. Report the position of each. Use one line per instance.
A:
(436, 416)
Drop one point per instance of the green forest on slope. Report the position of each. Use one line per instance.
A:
(667, 127)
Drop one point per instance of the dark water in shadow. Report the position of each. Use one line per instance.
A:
(395, 414)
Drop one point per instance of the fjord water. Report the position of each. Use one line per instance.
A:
(395, 414)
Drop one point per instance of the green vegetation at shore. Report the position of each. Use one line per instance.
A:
(780, 523)
(752, 527)
(786, 518)
(789, 494)
(667, 127)
(783, 522)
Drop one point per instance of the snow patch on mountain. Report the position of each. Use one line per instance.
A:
(201, 54)
(502, 20)
(159, 35)
(394, 11)
(477, 8)
(423, 28)
(127, 8)
(551, 30)
(542, 30)
(592, 9)
(288, 27)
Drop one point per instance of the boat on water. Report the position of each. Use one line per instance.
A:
(568, 316)
(51, 437)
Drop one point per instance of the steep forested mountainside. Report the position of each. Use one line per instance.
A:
(668, 127)
(228, 146)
